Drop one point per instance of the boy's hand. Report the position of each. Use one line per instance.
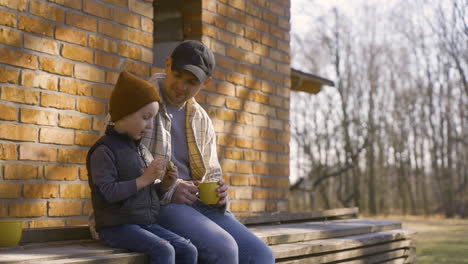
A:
(153, 172)
(170, 177)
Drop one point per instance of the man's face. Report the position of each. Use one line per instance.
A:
(180, 86)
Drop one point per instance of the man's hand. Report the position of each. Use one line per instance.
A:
(185, 193)
(222, 193)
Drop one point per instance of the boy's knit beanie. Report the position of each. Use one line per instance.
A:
(129, 95)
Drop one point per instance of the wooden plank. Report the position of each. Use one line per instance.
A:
(297, 232)
(292, 250)
(372, 254)
(36, 235)
(285, 217)
(49, 252)
(120, 258)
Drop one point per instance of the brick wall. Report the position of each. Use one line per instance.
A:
(59, 60)
(249, 101)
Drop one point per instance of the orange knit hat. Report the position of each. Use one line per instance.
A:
(129, 95)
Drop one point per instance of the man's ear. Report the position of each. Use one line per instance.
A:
(168, 65)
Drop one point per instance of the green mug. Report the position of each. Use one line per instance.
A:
(207, 192)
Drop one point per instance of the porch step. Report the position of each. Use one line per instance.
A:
(297, 232)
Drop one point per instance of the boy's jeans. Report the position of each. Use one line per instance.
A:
(218, 236)
(161, 245)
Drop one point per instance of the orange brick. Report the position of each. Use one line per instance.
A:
(60, 101)
(83, 22)
(89, 73)
(251, 155)
(121, 3)
(56, 136)
(20, 172)
(36, 26)
(46, 11)
(228, 166)
(63, 208)
(17, 58)
(147, 55)
(79, 221)
(129, 51)
(91, 7)
(90, 106)
(111, 77)
(243, 143)
(39, 80)
(8, 152)
(72, 86)
(258, 169)
(8, 75)
(85, 139)
(75, 191)
(19, 95)
(87, 209)
(260, 120)
(75, 121)
(226, 88)
(239, 206)
(244, 118)
(41, 44)
(56, 66)
(142, 8)
(271, 206)
(101, 43)
(147, 25)
(106, 60)
(27, 209)
(83, 174)
(77, 53)
(137, 68)
(68, 3)
(234, 103)
(226, 141)
(257, 206)
(10, 190)
(10, 37)
(233, 154)
(239, 180)
(268, 157)
(225, 115)
(77, 156)
(102, 91)
(112, 30)
(18, 132)
(46, 223)
(240, 193)
(70, 35)
(37, 152)
(99, 124)
(40, 190)
(140, 38)
(3, 209)
(14, 4)
(39, 117)
(126, 18)
(9, 113)
(243, 167)
(61, 173)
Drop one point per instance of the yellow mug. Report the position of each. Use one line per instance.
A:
(208, 193)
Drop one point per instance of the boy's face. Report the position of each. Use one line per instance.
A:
(137, 123)
(180, 86)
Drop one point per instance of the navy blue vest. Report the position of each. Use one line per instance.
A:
(130, 161)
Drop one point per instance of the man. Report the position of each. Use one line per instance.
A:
(183, 133)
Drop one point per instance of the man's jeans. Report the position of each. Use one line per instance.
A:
(161, 245)
(218, 236)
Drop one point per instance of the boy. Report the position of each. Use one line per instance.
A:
(122, 178)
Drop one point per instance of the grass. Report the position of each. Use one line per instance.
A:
(438, 240)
